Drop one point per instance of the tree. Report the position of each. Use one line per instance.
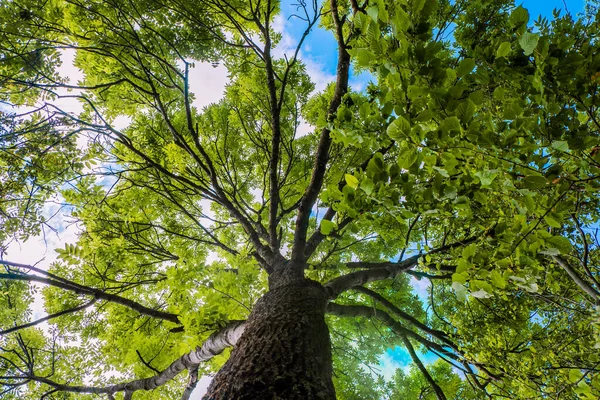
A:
(470, 161)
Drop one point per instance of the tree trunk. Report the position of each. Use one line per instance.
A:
(284, 353)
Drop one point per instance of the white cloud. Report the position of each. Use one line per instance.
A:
(202, 388)
(317, 74)
(420, 287)
(304, 128)
(287, 47)
(359, 82)
(388, 366)
(207, 82)
(68, 101)
(40, 248)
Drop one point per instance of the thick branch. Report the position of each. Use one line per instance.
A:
(383, 271)
(192, 382)
(275, 139)
(419, 275)
(214, 345)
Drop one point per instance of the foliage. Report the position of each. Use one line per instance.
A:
(471, 161)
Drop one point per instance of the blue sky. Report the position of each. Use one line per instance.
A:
(320, 46)
(545, 7)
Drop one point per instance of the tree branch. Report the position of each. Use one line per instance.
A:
(83, 290)
(382, 270)
(587, 288)
(398, 328)
(317, 237)
(49, 317)
(192, 382)
(419, 275)
(386, 270)
(214, 345)
(322, 157)
(436, 388)
(405, 316)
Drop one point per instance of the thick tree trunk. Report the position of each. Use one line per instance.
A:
(284, 353)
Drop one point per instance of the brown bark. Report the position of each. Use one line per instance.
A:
(285, 351)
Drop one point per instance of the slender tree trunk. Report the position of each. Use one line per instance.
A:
(285, 351)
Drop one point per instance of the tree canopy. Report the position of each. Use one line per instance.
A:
(471, 161)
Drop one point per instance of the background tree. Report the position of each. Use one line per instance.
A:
(470, 161)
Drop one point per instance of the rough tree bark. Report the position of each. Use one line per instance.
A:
(285, 351)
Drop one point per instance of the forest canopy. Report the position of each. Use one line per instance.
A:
(273, 239)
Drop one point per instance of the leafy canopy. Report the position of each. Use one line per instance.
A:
(470, 161)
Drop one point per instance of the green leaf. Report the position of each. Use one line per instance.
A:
(450, 162)
(450, 124)
(574, 375)
(351, 180)
(481, 294)
(430, 160)
(327, 226)
(462, 266)
(561, 243)
(465, 110)
(528, 42)
(503, 50)
(399, 128)
(460, 278)
(417, 6)
(407, 157)
(560, 145)
(364, 57)
(424, 116)
(486, 177)
(519, 16)
(553, 220)
(373, 12)
(465, 67)
(497, 279)
(479, 284)
(460, 290)
(367, 186)
(469, 251)
(535, 182)
(415, 91)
